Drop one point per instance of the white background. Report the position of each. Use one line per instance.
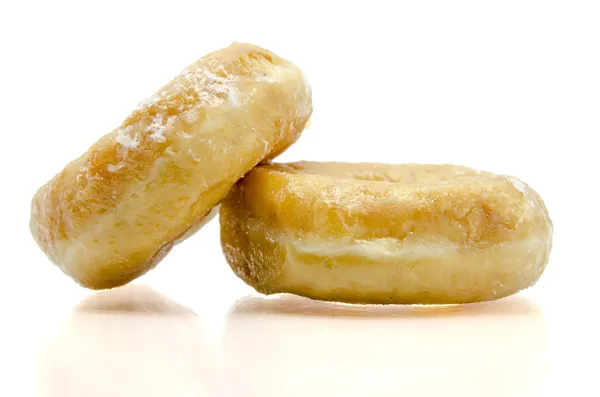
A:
(507, 86)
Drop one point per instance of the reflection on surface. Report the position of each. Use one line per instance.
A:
(290, 346)
(131, 341)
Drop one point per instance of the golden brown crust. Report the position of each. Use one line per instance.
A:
(112, 213)
(385, 233)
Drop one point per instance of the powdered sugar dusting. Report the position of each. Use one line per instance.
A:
(212, 88)
(205, 83)
(234, 100)
(124, 138)
(149, 101)
(159, 126)
(157, 129)
(114, 168)
(191, 117)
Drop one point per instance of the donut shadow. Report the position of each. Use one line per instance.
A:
(293, 305)
(137, 299)
(289, 346)
(128, 341)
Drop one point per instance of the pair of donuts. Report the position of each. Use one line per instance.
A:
(357, 233)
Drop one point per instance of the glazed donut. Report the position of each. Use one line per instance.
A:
(111, 214)
(378, 233)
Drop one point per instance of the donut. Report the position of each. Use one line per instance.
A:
(379, 233)
(112, 214)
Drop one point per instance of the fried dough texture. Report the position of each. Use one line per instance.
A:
(112, 214)
(380, 233)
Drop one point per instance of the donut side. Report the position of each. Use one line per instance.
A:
(110, 215)
(360, 237)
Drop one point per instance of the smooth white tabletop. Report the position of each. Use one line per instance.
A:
(191, 328)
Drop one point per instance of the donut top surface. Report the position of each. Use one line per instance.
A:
(408, 201)
(408, 175)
